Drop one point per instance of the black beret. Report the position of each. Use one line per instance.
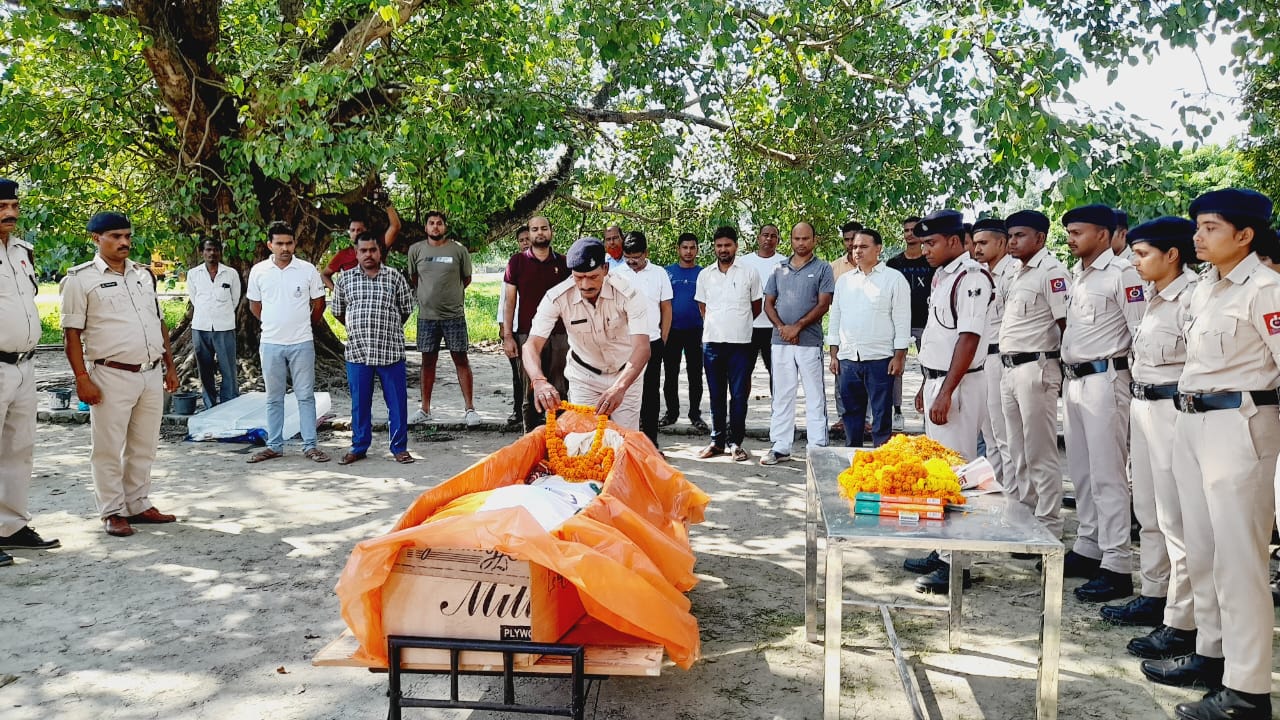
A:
(942, 222)
(1166, 232)
(1122, 218)
(1235, 202)
(585, 255)
(8, 189)
(1033, 219)
(635, 242)
(107, 221)
(1097, 214)
(990, 225)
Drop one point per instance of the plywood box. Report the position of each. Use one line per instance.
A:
(475, 595)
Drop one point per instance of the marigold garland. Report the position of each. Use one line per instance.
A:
(912, 466)
(594, 465)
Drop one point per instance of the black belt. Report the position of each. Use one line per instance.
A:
(1143, 391)
(578, 359)
(993, 349)
(1205, 402)
(1075, 371)
(1015, 359)
(127, 367)
(15, 358)
(932, 374)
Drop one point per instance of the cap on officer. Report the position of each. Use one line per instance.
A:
(990, 225)
(635, 242)
(1165, 233)
(942, 222)
(1033, 219)
(107, 221)
(585, 255)
(1233, 203)
(8, 189)
(1096, 214)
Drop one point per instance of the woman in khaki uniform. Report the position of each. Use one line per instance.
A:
(1226, 438)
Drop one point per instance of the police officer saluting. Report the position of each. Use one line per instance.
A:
(607, 324)
(116, 341)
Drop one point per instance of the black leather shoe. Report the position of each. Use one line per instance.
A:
(27, 539)
(1227, 704)
(666, 420)
(1106, 585)
(1163, 643)
(939, 581)
(1142, 610)
(1076, 565)
(925, 565)
(5, 559)
(1192, 670)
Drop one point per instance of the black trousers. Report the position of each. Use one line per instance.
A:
(517, 390)
(651, 400)
(762, 346)
(555, 353)
(686, 343)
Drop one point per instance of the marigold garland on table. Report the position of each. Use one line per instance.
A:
(594, 465)
(907, 466)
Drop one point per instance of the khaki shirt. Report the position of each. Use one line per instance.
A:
(1035, 300)
(118, 315)
(841, 265)
(600, 334)
(1233, 331)
(20, 330)
(1002, 274)
(946, 324)
(1106, 304)
(1159, 350)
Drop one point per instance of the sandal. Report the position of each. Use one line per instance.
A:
(316, 454)
(404, 458)
(267, 454)
(350, 458)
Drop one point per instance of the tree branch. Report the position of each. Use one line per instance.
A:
(623, 117)
(590, 206)
(504, 221)
(368, 31)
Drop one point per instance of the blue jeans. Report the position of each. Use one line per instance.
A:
(216, 352)
(728, 367)
(394, 393)
(280, 363)
(860, 382)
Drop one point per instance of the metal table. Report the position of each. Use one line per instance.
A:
(994, 525)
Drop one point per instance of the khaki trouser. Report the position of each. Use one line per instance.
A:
(1151, 468)
(17, 442)
(1029, 399)
(585, 388)
(1232, 455)
(1096, 414)
(994, 431)
(968, 405)
(126, 432)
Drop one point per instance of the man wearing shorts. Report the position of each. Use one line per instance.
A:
(440, 270)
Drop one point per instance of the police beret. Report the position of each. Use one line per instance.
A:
(942, 222)
(990, 225)
(8, 189)
(1122, 218)
(1033, 219)
(585, 255)
(107, 221)
(1166, 232)
(635, 242)
(1097, 214)
(1233, 202)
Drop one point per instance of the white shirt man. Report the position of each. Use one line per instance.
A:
(214, 291)
(654, 285)
(763, 261)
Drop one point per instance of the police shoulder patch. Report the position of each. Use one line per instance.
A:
(1058, 284)
(1272, 322)
(1134, 293)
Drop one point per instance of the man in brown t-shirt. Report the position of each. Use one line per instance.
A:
(530, 274)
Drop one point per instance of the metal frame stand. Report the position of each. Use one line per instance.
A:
(396, 644)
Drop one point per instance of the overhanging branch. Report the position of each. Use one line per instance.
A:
(368, 31)
(625, 117)
(590, 206)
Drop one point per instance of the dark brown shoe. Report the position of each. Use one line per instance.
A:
(152, 516)
(116, 525)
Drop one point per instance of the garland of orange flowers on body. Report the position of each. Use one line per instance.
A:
(594, 465)
(905, 466)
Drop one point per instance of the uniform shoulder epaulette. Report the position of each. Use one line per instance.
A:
(80, 267)
(559, 289)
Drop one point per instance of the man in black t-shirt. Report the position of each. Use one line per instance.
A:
(919, 274)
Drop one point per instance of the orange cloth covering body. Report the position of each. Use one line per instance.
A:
(627, 552)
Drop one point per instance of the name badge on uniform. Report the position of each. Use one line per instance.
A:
(226, 285)
(297, 291)
(577, 322)
(113, 283)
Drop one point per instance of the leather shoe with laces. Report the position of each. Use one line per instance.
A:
(1186, 671)
(1076, 565)
(1227, 704)
(152, 516)
(924, 565)
(1106, 585)
(939, 581)
(27, 539)
(1142, 610)
(116, 525)
(1162, 643)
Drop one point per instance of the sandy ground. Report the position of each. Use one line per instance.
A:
(217, 616)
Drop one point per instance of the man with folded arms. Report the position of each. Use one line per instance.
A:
(116, 342)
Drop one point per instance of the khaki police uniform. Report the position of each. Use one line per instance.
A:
(994, 431)
(599, 340)
(1159, 352)
(19, 334)
(119, 319)
(972, 294)
(1107, 301)
(1035, 300)
(1233, 345)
